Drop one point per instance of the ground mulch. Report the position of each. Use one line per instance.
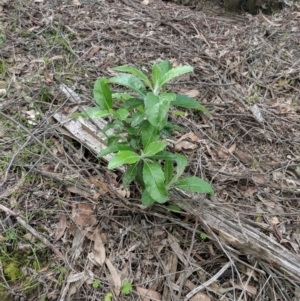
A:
(246, 72)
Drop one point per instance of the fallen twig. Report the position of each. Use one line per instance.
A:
(32, 231)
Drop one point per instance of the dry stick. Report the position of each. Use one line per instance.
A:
(188, 257)
(10, 190)
(160, 261)
(181, 33)
(248, 265)
(244, 286)
(40, 143)
(208, 282)
(13, 159)
(32, 231)
(278, 280)
(210, 231)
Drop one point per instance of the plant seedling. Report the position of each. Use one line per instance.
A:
(126, 288)
(137, 130)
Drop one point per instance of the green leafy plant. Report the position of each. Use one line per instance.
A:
(203, 236)
(96, 283)
(108, 297)
(126, 288)
(137, 130)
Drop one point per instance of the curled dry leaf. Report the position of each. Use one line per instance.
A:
(59, 147)
(189, 136)
(274, 220)
(124, 192)
(75, 277)
(83, 215)
(224, 152)
(245, 158)
(79, 191)
(185, 145)
(92, 51)
(90, 234)
(115, 277)
(192, 93)
(189, 284)
(61, 227)
(259, 178)
(77, 243)
(176, 248)
(148, 295)
(99, 249)
(250, 191)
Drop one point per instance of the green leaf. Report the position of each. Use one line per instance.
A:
(170, 128)
(96, 283)
(121, 96)
(115, 125)
(138, 73)
(164, 155)
(102, 94)
(194, 184)
(108, 297)
(154, 180)
(94, 112)
(126, 288)
(149, 134)
(150, 101)
(168, 170)
(129, 175)
(174, 72)
(123, 157)
(146, 199)
(154, 147)
(132, 103)
(121, 114)
(139, 174)
(174, 208)
(130, 81)
(156, 109)
(132, 131)
(137, 118)
(178, 112)
(203, 236)
(134, 141)
(188, 103)
(112, 140)
(181, 162)
(167, 97)
(158, 71)
(181, 165)
(114, 148)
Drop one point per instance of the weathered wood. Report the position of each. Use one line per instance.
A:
(239, 233)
